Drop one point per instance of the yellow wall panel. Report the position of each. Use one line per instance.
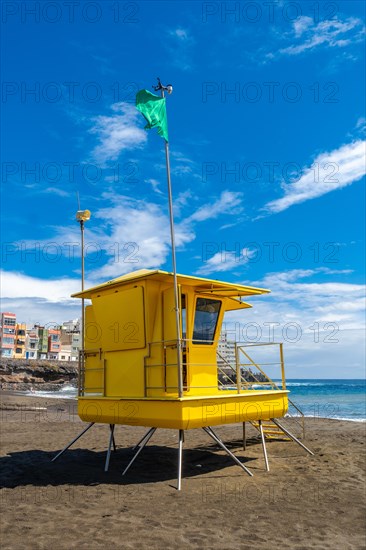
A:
(120, 316)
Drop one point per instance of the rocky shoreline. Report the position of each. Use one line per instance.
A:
(25, 375)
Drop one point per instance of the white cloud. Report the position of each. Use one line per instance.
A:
(322, 324)
(117, 133)
(321, 301)
(18, 285)
(329, 171)
(155, 185)
(40, 311)
(225, 261)
(36, 300)
(145, 226)
(331, 33)
(55, 191)
(134, 234)
(131, 233)
(302, 24)
(137, 236)
(228, 203)
(181, 34)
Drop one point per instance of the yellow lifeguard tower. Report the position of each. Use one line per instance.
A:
(132, 353)
(150, 347)
(136, 370)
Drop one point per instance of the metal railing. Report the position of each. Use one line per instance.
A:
(82, 388)
(243, 374)
(294, 416)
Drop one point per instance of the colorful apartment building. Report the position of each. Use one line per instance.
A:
(7, 334)
(31, 344)
(54, 343)
(42, 342)
(75, 346)
(70, 345)
(19, 342)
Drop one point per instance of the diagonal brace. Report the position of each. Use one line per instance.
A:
(143, 442)
(216, 438)
(73, 441)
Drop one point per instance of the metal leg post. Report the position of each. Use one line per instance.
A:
(180, 455)
(72, 442)
(111, 440)
(216, 438)
(244, 437)
(263, 445)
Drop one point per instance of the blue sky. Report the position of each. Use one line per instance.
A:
(267, 138)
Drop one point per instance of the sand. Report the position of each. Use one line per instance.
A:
(304, 502)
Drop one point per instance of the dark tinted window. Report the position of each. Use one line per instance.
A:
(184, 316)
(205, 320)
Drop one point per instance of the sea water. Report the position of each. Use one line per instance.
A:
(337, 399)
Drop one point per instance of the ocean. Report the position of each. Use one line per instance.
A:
(338, 399)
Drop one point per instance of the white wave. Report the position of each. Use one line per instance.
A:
(346, 419)
(302, 384)
(66, 392)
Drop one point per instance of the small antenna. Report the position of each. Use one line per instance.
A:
(78, 198)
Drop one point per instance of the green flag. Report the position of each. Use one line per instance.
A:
(154, 110)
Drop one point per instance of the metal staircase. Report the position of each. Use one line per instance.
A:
(270, 430)
(243, 371)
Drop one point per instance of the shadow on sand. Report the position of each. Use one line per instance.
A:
(85, 467)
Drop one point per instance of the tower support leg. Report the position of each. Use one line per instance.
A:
(111, 441)
(216, 438)
(180, 457)
(263, 445)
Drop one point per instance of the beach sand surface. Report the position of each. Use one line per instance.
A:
(304, 502)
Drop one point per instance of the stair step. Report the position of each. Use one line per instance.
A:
(284, 438)
(266, 426)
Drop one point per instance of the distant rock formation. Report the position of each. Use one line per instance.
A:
(228, 375)
(25, 374)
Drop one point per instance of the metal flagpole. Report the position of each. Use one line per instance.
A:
(82, 299)
(82, 216)
(169, 89)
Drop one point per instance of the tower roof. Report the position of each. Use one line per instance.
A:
(202, 285)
